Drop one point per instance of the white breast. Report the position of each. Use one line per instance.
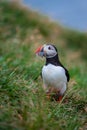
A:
(54, 76)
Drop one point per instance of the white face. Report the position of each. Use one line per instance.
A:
(49, 51)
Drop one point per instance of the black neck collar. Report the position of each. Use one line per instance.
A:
(53, 60)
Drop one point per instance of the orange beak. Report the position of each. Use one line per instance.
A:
(38, 50)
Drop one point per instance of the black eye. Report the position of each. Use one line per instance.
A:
(49, 48)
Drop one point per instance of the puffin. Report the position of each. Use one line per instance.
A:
(55, 76)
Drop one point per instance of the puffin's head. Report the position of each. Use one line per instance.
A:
(47, 51)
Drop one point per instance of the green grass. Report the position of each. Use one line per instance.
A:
(76, 40)
(23, 103)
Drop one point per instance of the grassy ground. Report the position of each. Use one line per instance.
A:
(23, 103)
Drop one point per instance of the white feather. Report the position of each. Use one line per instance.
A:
(54, 76)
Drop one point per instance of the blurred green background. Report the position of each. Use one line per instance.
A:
(23, 103)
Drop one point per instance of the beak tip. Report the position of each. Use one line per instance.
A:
(38, 50)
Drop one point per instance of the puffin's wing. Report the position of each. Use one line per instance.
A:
(66, 72)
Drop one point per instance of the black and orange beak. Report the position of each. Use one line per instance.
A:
(40, 51)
